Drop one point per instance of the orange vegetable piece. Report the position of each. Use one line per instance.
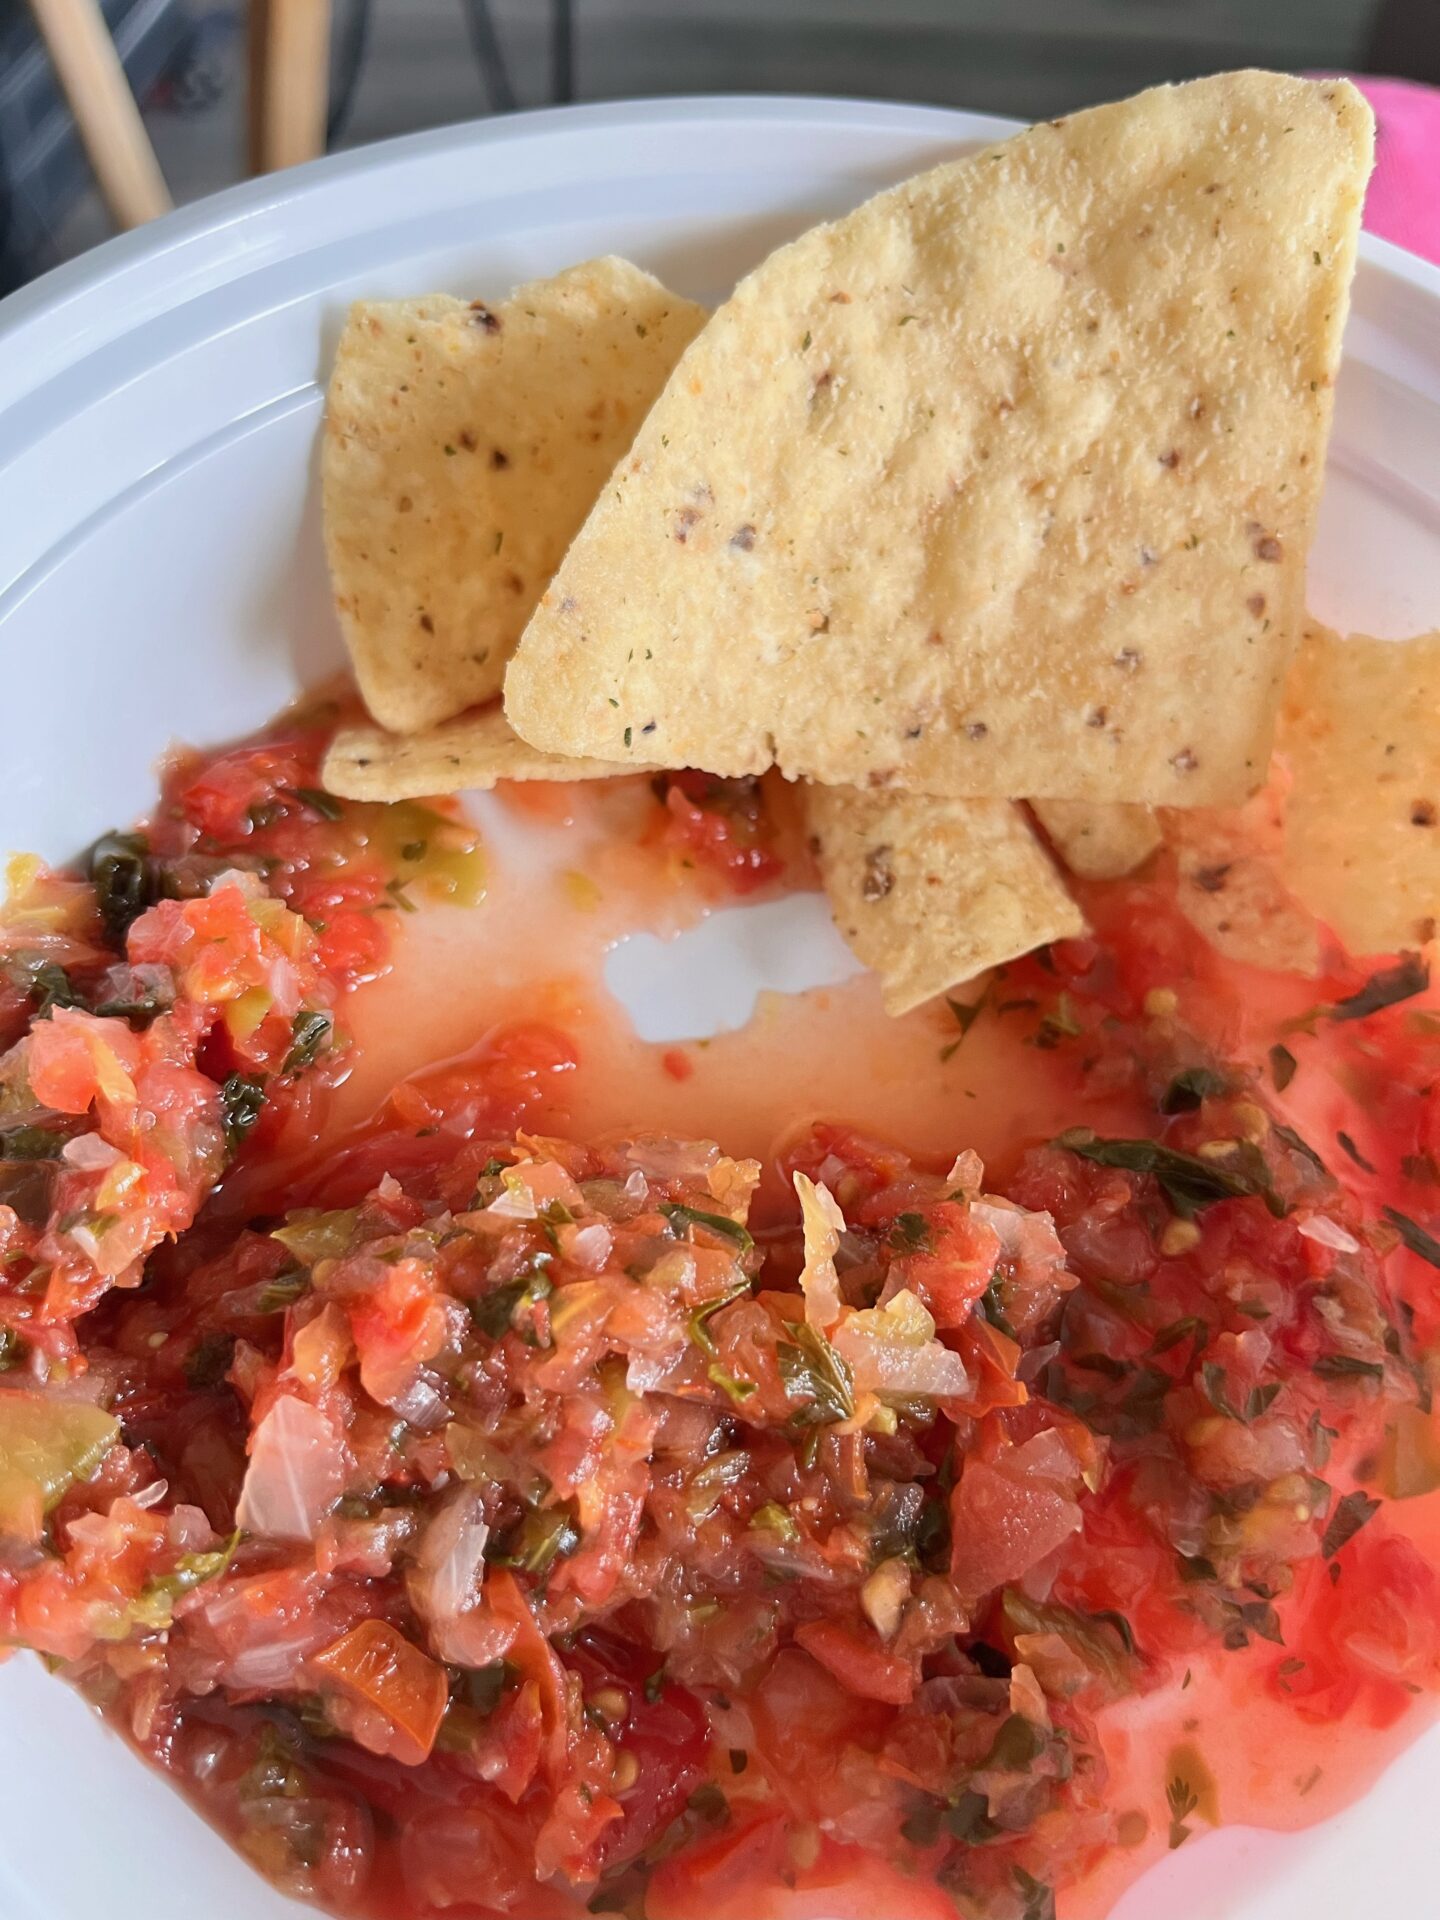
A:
(375, 1664)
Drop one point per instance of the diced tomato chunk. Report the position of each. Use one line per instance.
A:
(375, 1664)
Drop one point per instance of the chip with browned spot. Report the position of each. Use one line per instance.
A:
(464, 445)
(1360, 734)
(929, 892)
(473, 751)
(1001, 485)
(1099, 840)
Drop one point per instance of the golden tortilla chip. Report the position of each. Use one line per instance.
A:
(1360, 730)
(1232, 891)
(1099, 842)
(1001, 485)
(463, 755)
(930, 892)
(464, 445)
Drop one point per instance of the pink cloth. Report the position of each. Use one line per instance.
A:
(1404, 201)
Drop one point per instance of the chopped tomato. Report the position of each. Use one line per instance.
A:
(858, 1662)
(378, 1666)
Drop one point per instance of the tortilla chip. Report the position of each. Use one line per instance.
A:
(464, 445)
(1002, 485)
(464, 755)
(1099, 842)
(929, 892)
(1361, 732)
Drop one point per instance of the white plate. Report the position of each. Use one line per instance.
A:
(160, 577)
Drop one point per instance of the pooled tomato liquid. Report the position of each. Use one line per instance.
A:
(563, 884)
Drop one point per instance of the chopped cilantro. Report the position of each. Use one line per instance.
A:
(1283, 1065)
(1188, 1182)
(325, 804)
(910, 1233)
(309, 1032)
(242, 1095)
(1344, 1366)
(1345, 1522)
(1414, 1235)
(126, 881)
(1182, 1800)
(814, 1372)
(1410, 975)
(728, 1229)
(1188, 1089)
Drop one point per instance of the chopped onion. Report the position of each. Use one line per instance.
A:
(1319, 1227)
(665, 1159)
(450, 1565)
(588, 1246)
(823, 1225)
(249, 884)
(883, 1597)
(967, 1173)
(893, 1349)
(296, 1472)
(88, 1153)
(421, 1404)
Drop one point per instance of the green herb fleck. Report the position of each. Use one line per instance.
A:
(1414, 1235)
(242, 1095)
(309, 1032)
(728, 1229)
(1345, 1522)
(1188, 1182)
(126, 881)
(318, 801)
(1344, 1366)
(1182, 1800)
(814, 1372)
(910, 1233)
(1188, 1089)
(1283, 1065)
(1410, 975)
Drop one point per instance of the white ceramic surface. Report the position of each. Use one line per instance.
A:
(160, 577)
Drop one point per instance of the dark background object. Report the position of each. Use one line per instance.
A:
(1405, 41)
(42, 167)
(398, 65)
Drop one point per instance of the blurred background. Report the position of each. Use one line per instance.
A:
(227, 89)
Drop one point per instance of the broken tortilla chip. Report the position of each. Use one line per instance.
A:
(464, 445)
(1231, 888)
(1099, 841)
(463, 755)
(929, 892)
(1360, 730)
(1001, 485)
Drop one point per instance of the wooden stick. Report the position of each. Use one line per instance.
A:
(93, 80)
(289, 81)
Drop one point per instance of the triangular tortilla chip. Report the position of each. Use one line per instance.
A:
(1231, 884)
(1099, 841)
(1001, 485)
(464, 445)
(931, 892)
(464, 755)
(1361, 733)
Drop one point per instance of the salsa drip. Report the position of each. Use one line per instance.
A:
(483, 1521)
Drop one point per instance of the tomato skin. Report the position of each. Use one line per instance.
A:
(1008, 1515)
(858, 1662)
(953, 1273)
(721, 825)
(377, 1665)
(804, 1721)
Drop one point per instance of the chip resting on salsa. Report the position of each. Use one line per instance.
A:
(464, 444)
(999, 486)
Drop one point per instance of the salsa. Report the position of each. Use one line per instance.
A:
(479, 1515)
